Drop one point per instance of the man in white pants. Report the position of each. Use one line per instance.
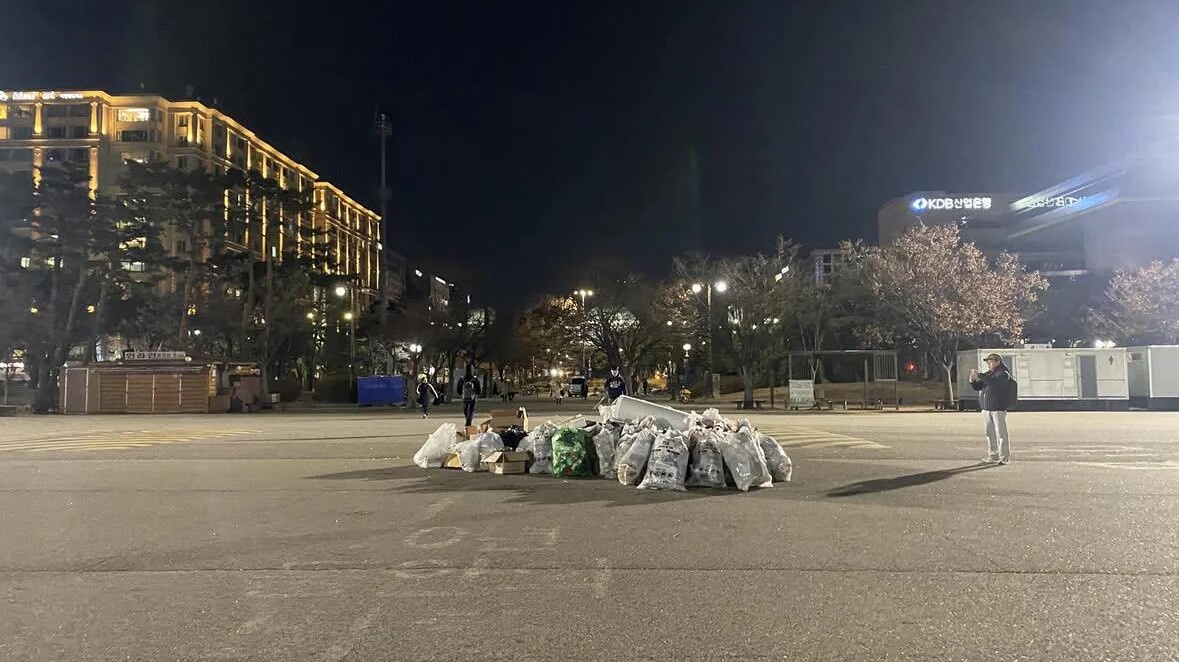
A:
(995, 388)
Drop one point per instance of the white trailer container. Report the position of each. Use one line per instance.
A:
(1154, 376)
(1070, 378)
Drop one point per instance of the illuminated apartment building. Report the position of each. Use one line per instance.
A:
(106, 131)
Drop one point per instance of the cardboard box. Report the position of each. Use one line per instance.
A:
(502, 419)
(452, 462)
(507, 462)
(473, 431)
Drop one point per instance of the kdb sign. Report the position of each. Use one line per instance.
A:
(923, 204)
(1062, 201)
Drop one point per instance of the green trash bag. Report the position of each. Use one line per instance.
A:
(569, 454)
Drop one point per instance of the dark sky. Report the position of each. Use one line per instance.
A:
(531, 137)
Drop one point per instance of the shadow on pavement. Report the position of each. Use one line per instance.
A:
(909, 480)
(528, 489)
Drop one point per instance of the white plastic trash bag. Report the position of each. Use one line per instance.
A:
(605, 442)
(633, 460)
(472, 453)
(667, 466)
(707, 467)
(539, 442)
(739, 461)
(776, 458)
(746, 460)
(433, 453)
(761, 470)
(712, 418)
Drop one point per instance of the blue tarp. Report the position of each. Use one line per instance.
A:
(383, 390)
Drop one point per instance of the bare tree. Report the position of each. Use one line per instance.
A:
(761, 293)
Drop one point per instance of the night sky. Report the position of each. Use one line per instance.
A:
(531, 138)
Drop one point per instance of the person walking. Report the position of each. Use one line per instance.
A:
(560, 392)
(426, 394)
(615, 385)
(996, 393)
(470, 394)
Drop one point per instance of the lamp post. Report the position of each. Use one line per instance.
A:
(350, 317)
(416, 350)
(720, 287)
(583, 293)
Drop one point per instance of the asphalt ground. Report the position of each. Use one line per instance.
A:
(312, 537)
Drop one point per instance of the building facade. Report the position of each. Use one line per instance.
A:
(107, 131)
(827, 262)
(1120, 215)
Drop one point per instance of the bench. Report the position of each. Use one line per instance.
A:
(945, 405)
(757, 404)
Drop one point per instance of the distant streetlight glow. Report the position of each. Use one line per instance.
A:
(348, 315)
(687, 347)
(341, 291)
(721, 286)
(697, 288)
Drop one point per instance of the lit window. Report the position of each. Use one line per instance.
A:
(25, 263)
(3, 112)
(3, 130)
(134, 115)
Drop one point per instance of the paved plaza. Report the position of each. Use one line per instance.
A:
(310, 536)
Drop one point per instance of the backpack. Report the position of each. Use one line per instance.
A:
(468, 391)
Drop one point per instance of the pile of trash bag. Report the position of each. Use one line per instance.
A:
(660, 451)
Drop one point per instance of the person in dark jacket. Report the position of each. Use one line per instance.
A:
(470, 395)
(615, 385)
(426, 394)
(994, 397)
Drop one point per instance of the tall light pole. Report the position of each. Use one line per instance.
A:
(721, 287)
(383, 131)
(350, 317)
(583, 293)
(416, 350)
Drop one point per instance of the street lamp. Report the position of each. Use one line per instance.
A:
(583, 293)
(416, 350)
(350, 316)
(720, 287)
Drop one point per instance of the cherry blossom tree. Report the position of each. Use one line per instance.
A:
(933, 289)
(1141, 306)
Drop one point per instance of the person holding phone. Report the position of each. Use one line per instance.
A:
(995, 395)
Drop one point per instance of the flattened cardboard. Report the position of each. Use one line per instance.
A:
(507, 462)
(501, 419)
(505, 468)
